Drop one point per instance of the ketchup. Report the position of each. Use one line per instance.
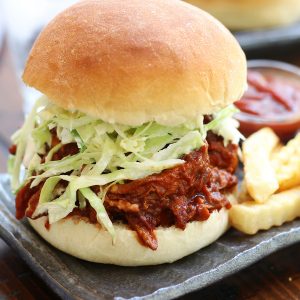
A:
(272, 100)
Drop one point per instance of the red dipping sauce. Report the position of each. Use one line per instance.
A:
(271, 100)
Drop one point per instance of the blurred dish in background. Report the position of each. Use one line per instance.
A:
(272, 98)
(269, 40)
(251, 14)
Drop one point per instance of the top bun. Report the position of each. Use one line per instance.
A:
(132, 62)
(251, 14)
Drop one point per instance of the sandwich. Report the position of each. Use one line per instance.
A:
(129, 156)
(249, 14)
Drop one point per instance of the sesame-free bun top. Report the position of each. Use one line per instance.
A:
(132, 62)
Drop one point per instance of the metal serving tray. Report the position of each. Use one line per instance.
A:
(72, 278)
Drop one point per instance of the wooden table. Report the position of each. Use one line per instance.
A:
(275, 277)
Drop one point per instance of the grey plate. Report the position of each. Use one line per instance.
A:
(72, 278)
(270, 38)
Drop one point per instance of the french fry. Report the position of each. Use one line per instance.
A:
(250, 217)
(286, 162)
(260, 175)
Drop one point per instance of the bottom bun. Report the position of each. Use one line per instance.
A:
(90, 242)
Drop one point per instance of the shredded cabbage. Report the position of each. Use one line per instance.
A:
(224, 125)
(109, 153)
(98, 206)
(20, 139)
(41, 136)
(10, 164)
(52, 152)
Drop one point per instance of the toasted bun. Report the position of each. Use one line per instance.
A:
(251, 14)
(90, 242)
(136, 61)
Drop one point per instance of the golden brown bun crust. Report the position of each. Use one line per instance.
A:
(251, 14)
(89, 242)
(135, 61)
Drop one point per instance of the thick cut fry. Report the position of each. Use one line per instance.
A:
(260, 175)
(286, 163)
(250, 217)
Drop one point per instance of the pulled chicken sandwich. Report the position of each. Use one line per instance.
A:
(130, 153)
